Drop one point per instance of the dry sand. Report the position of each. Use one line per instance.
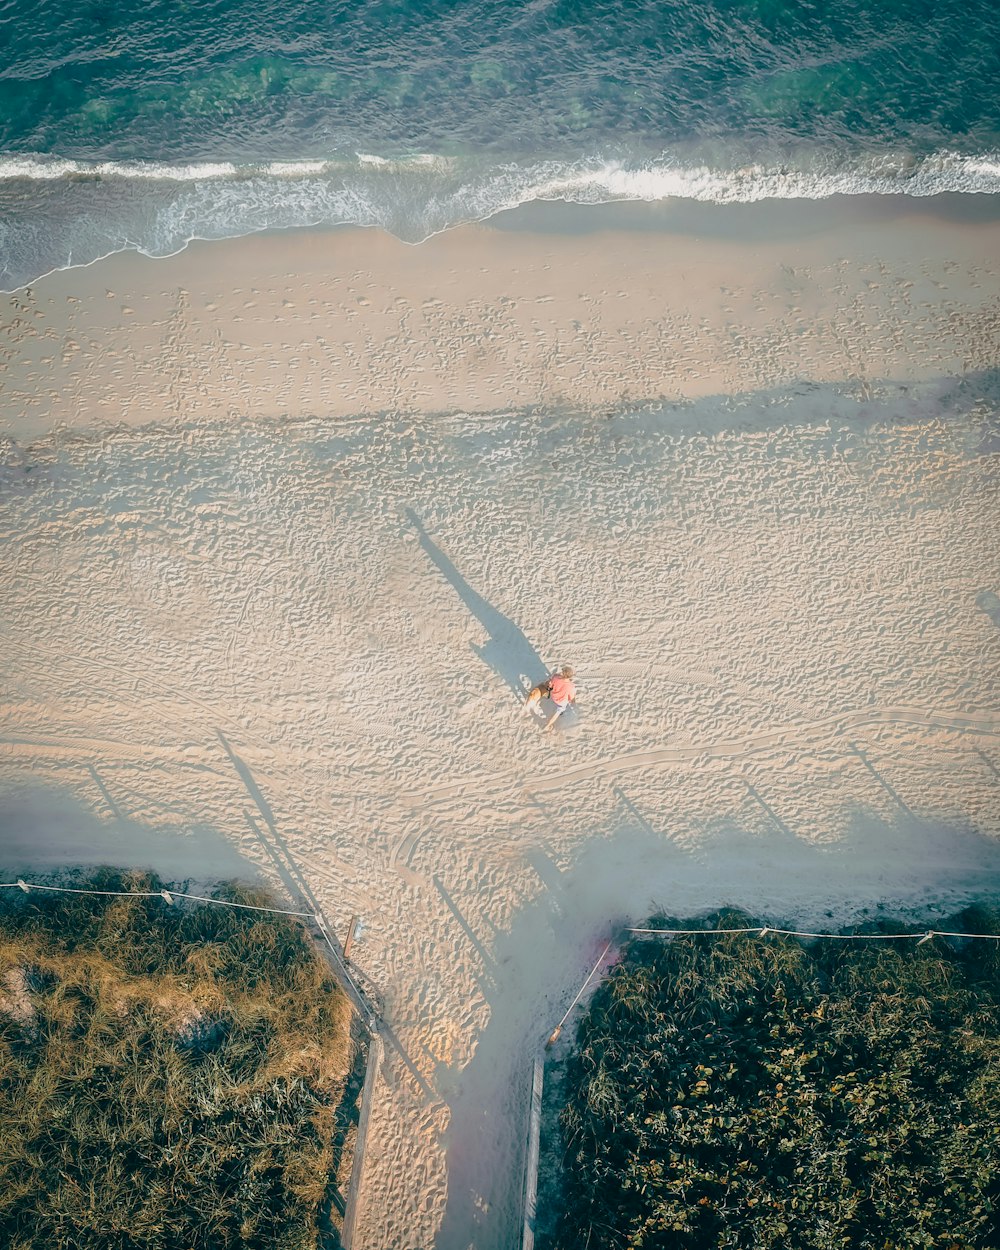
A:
(286, 521)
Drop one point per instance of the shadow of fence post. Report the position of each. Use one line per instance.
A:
(369, 1012)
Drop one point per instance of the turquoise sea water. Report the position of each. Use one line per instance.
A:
(147, 124)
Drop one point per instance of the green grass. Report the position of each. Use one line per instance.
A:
(170, 1076)
(763, 1093)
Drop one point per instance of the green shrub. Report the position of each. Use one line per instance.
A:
(169, 1075)
(757, 1092)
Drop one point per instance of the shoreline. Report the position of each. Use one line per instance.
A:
(757, 219)
(566, 306)
(763, 218)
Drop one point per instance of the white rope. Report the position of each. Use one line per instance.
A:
(225, 902)
(167, 895)
(836, 937)
(370, 1017)
(579, 994)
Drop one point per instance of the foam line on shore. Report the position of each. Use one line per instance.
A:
(63, 213)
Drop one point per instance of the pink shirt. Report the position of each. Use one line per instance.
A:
(563, 690)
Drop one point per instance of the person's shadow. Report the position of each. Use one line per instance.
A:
(506, 651)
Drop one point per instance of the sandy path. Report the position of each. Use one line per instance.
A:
(229, 640)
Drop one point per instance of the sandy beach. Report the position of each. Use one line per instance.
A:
(289, 521)
(355, 323)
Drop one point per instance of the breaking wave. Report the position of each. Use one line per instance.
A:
(56, 213)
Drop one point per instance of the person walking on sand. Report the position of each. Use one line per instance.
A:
(559, 688)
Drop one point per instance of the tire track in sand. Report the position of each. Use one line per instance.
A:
(274, 775)
(987, 722)
(789, 736)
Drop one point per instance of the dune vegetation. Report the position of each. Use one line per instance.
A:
(740, 1091)
(170, 1076)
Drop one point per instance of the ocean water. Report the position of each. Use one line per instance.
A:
(147, 123)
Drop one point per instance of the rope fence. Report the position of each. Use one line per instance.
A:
(554, 1035)
(761, 931)
(168, 896)
(919, 938)
(369, 1016)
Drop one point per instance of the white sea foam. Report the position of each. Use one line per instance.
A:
(664, 179)
(79, 212)
(32, 167)
(50, 169)
(295, 169)
(40, 168)
(934, 175)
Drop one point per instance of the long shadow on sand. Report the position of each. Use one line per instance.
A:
(298, 887)
(46, 828)
(909, 867)
(507, 651)
(43, 830)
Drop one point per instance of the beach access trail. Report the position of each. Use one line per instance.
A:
(265, 596)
